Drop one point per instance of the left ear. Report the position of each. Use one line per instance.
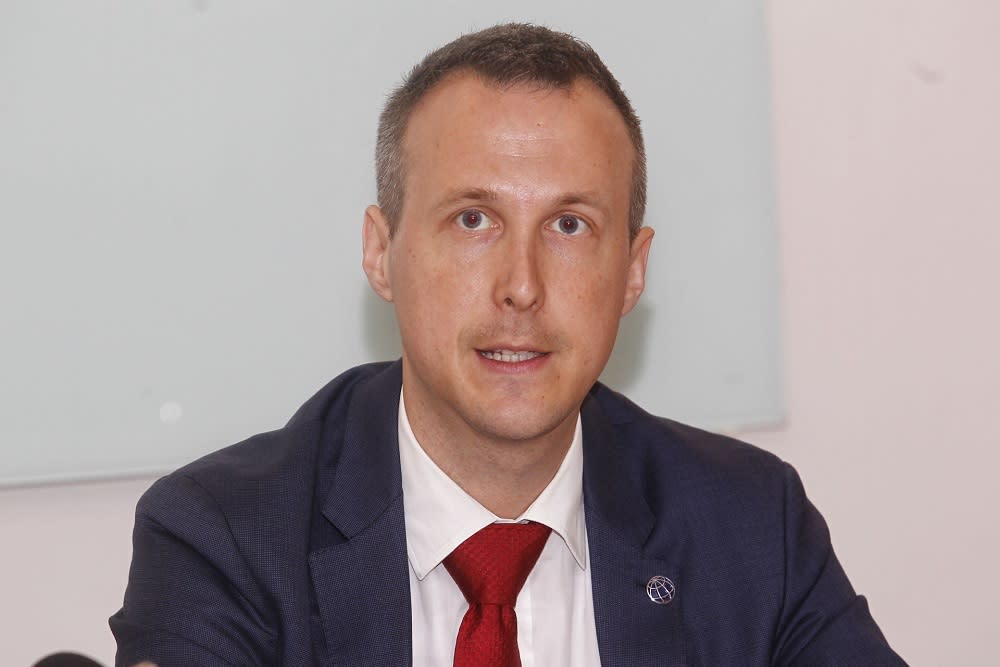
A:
(635, 280)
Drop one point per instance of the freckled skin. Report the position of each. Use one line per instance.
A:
(522, 157)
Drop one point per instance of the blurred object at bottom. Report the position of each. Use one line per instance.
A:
(68, 660)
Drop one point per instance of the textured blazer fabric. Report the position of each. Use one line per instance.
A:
(290, 548)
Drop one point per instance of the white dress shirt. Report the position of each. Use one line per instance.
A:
(555, 609)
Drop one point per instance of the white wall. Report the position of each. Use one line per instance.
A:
(180, 194)
(888, 172)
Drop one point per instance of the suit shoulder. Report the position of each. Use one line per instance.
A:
(277, 467)
(677, 444)
(684, 471)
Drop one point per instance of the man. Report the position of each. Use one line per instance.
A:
(482, 501)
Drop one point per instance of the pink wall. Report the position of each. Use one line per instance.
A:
(887, 116)
(65, 556)
(889, 201)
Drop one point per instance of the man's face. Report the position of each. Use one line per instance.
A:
(511, 265)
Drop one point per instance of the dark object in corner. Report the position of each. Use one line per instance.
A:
(67, 660)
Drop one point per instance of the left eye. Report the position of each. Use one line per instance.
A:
(474, 220)
(570, 225)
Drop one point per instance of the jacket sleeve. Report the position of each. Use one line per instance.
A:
(191, 599)
(823, 622)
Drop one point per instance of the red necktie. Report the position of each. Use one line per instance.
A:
(490, 567)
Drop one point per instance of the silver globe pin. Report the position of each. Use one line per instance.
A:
(661, 590)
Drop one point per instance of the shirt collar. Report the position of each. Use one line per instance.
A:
(429, 494)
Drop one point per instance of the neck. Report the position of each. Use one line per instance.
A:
(504, 476)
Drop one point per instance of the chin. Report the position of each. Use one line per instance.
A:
(521, 427)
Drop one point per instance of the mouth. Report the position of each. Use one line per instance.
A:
(510, 356)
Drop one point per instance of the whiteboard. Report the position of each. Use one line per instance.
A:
(181, 195)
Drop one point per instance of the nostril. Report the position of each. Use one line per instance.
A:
(508, 301)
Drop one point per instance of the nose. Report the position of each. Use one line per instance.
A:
(519, 281)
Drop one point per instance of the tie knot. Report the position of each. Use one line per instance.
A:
(492, 565)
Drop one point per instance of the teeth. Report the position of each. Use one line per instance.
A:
(510, 357)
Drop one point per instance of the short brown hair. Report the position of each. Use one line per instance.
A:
(505, 55)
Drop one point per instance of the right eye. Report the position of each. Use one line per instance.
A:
(474, 220)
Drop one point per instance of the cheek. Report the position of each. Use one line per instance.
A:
(592, 293)
(432, 294)
(460, 280)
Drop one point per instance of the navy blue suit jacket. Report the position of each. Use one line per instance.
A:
(290, 548)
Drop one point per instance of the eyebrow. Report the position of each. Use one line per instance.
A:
(587, 198)
(453, 197)
(466, 194)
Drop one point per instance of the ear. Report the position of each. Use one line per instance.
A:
(375, 251)
(635, 280)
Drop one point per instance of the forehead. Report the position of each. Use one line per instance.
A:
(469, 132)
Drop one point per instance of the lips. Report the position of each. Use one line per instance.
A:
(510, 356)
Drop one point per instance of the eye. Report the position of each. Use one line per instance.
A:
(474, 220)
(569, 225)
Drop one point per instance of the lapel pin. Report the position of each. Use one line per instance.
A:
(661, 590)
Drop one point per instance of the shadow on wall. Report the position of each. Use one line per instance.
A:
(382, 339)
(629, 355)
(379, 327)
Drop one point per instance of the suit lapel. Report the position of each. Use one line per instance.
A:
(631, 629)
(362, 582)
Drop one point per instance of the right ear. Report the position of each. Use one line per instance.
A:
(375, 239)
